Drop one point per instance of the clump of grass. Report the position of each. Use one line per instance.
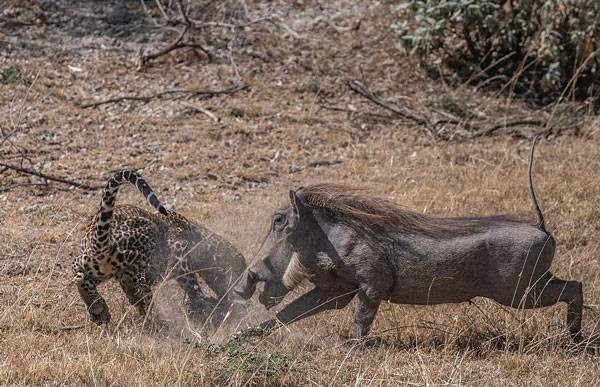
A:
(456, 104)
(312, 86)
(243, 353)
(567, 117)
(13, 75)
(237, 111)
(247, 111)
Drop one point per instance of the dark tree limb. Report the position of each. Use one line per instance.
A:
(148, 98)
(176, 44)
(183, 13)
(28, 171)
(472, 129)
(356, 87)
(13, 186)
(361, 90)
(509, 124)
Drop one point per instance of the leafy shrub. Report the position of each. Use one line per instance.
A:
(538, 48)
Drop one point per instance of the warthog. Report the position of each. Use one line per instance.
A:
(348, 245)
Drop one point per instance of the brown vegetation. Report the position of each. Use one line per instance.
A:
(227, 161)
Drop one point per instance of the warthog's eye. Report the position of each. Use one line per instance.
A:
(278, 220)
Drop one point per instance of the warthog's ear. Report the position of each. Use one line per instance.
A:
(299, 209)
(297, 204)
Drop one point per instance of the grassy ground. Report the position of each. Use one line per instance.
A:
(266, 139)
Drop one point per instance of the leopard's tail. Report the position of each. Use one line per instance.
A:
(103, 220)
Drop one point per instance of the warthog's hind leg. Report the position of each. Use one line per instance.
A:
(570, 292)
(550, 292)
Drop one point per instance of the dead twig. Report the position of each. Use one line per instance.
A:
(509, 124)
(202, 110)
(162, 10)
(183, 13)
(13, 186)
(148, 98)
(323, 163)
(471, 129)
(361, 90)
(177, 43)
(45, 176)
(356, 87)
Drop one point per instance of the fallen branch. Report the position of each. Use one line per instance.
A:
(509, 124)
(57, 179)
(177, 43)
(148, 98)
(183, 13)
(361, 90)
(13, 186)
(473, 129)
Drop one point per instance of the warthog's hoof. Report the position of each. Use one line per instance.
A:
(361, 345)
(577, 337)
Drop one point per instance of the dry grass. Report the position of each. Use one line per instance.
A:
(232, 174)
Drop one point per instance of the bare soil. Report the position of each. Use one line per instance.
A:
(231, 168)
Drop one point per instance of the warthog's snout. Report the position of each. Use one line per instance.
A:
(246, 286)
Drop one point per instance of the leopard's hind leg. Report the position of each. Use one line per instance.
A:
(87, 279)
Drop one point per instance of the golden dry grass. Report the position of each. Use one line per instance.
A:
(232, 174)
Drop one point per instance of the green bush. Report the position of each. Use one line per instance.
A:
(540, 49)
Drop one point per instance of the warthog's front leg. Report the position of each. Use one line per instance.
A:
(366, 309)
(309, 304)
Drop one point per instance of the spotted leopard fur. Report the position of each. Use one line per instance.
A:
(138, 248)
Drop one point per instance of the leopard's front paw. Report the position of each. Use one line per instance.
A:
(99, 313)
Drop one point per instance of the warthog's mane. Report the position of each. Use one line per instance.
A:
(348, 203)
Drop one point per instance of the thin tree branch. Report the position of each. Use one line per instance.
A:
(356, 87)
(473, 129)
(509, 124)
(57, 179)
(148, 98)
(183, 13)
(176, 44)
(13, 186)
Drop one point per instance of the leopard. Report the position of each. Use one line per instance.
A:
(139, 249)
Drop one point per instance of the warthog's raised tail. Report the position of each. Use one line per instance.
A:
(539, 217)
